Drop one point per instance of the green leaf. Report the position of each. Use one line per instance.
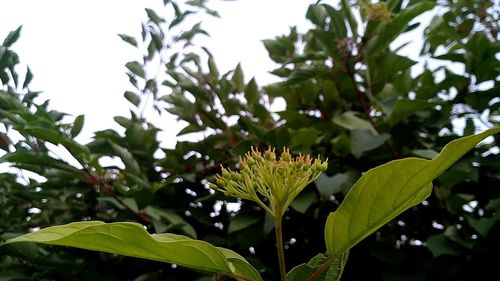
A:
(405, 108)
(77, 125)
(12, 37)
(42, 160)
(483, 225)
(164, 219)
(212, 67)
(136, 68)
(304, 200)
(238, 78)
(132, 97)
(27, 78)
(439, 245)
(346, 10)
(325, 268)
(316, 14)
(340, 182)
(424, 153)
(241, 266)
(153, 16)
(304, 138)
(386, 191)
(128, 159)
(241, 222)
(364, 140)
(350, 121)
(129, 39)
(387, 33)
(337, 22)
(131, 239)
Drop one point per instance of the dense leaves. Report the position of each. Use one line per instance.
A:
(348, 94)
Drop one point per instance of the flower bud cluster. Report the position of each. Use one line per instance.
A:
(377, 11)
(270, 182)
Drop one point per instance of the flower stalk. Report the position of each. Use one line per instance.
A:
(272, 183)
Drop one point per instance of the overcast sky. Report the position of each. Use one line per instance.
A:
(78, 60)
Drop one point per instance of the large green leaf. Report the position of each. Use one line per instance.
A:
(131, 239)
(386, 191)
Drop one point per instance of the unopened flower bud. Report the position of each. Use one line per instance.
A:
(236, 176)
(285, 156)
(269, 155)
(226, 174)
(272, 183)
(250, 162)
(324, 166)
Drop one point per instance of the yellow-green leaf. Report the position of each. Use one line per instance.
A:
(131, 239)
(386, 191)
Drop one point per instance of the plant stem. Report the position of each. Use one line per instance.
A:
(279, 246)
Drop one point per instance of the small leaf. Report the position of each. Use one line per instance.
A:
(77, 125)
(364, 140)
(386, 191)
(337, 23)
(129, 39)
(12, 37)
(128, 159)
(405, 108)
(346, 10)
(213, 67)
(136, 68)
(340, 182)
(27, 78)
(131, 239)
(350, 121)
(238, 78)
(316, 14)
(303, 201)
(241, 222)
(132, 98)
(153, 16)
(440, 245)
(323, 267)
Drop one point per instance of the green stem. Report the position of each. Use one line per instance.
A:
(279, 245)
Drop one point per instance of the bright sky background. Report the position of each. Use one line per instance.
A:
(78, 60)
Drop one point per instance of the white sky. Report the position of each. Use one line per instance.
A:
(78, 60)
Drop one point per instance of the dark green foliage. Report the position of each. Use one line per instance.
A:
(349, 97)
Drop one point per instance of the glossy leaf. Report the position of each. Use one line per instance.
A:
(386, 191)
(77, 125)
(131, 239)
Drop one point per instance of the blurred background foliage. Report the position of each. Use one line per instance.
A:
(346, 93)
